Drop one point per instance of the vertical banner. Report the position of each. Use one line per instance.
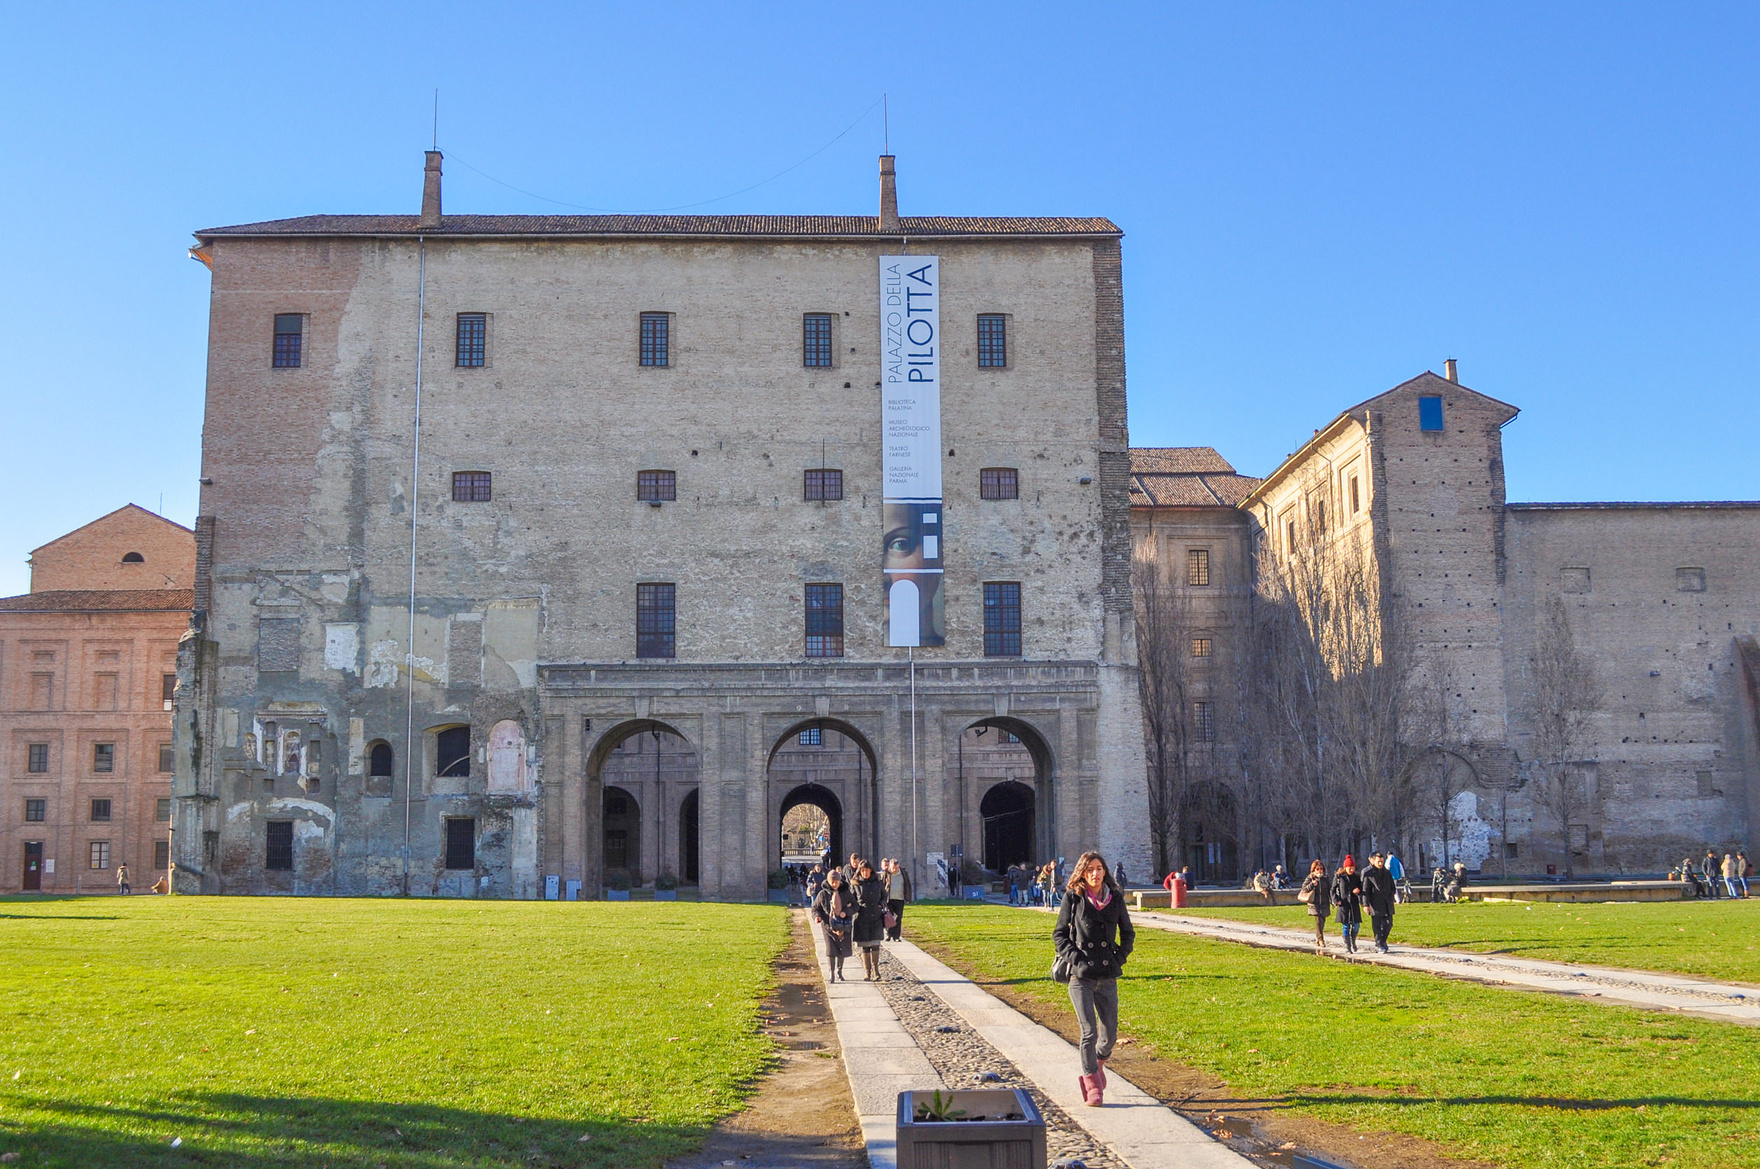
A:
(910, 429)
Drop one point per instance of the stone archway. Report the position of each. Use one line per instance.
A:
(991, 752)
(657, 768)
(812, 796)
(833, 756)
(1009, 813)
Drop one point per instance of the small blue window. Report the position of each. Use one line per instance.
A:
(1429, 413)
(812, 737)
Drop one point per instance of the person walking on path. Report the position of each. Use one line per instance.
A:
(1729, 874)
(1094, 936)
(1347, 891)
(834, 908)
(1118, 874)
(1710, 871)
(1742, 872)
(898, 892)
(1379, 897)
(1316, 894)
(1397, 871)
(122, 879)
(870, 928)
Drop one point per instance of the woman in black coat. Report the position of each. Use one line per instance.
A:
(1347, 893)
(1094, 936)
(834, 908)
(1316, 894)
(870, 919)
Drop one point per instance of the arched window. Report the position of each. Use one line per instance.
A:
(134, 558)
(380, 759)
(452, 752)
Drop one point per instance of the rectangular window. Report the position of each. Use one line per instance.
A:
(1689, 580)
(452, 752)
(103, 757)
(656, 339)
(656, 621)
(37, 758)
(1204, 722)
(162, 811)
(100, 811)
(1002, 619)
(36, 810)
(1197, 566)
(168, 689)
(816, 340)
(812, 737)
(161, 855)
(824, 620)
(1200, 647)
(656, 486)
(824, 484)
(167, 759)
(100, 854)
(1429, 413)
(999, 483)
(1356, 497)
(992, 341)
(473, 339)
(461, 843)
(472, 486)
(290, 329)
(278, 853)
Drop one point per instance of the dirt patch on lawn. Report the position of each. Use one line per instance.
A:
(802, 1115)
(1262, 1127)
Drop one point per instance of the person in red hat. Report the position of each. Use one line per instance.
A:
(1347, 899)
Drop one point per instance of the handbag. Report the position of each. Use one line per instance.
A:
(1060, 969)
(1305, 896)
(890, 919)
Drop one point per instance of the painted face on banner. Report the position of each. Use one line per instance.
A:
(913, 545)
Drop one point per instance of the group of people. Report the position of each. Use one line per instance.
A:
(1033, 886)
(858, 906)
(1348, 893)
(1731, 873)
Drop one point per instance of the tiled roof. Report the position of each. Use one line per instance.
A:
(1179, 460)
(102, 601)
(1186, 476)
(639, 225)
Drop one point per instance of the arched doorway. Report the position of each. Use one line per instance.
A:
(811, 823)
(1009, 815)
(622, 836)
(1211, 848)
(656, 768)
(689, 840)
(828, 764)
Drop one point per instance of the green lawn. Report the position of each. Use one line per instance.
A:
(1521, 1080)
(1716, 939)
(411, 1034)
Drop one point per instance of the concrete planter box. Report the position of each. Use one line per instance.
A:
(617, 894)
(992, 1143)
(779, 896)
(666, 894)
(973, 892)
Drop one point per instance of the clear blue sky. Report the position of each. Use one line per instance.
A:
(1320, 200)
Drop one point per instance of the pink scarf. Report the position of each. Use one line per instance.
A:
(1101, 901)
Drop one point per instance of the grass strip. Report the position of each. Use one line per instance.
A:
(1712, 939)
(1520, 1079)
(405, 1034)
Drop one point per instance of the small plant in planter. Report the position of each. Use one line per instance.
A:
(939, 1108)
(778, 879)
(617, 886)
(666, 887)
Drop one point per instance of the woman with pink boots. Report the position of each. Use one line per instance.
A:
(1094, 937)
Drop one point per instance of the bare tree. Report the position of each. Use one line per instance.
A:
(1164, 675)
(1565, 699)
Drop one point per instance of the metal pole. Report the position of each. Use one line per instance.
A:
(415, 488)
(916, 871)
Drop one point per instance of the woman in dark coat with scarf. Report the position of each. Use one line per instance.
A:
(870, 919)
(1094, 936)
(1347, 893)
(1316, 894)
(834, 908)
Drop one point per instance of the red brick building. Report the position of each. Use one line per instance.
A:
(87, 666)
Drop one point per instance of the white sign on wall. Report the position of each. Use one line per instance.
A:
(910, 405)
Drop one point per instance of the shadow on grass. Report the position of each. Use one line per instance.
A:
(249, 1131)
(1564, 1103)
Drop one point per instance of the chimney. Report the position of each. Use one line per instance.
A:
(888, 195)
(1448, 371)
(431, 191)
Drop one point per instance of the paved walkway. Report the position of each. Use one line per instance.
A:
(882, 1060)
(1724, 1001)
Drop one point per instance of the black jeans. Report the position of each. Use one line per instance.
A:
(897, 908)
(1096, 1004)
(1382, 924)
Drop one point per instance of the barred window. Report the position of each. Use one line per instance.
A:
(161, 855)
(103, 757)
(100, 854)
(1002, 619)
(657, 339)
(1197, 566)
(1204, 722)
(992, 341)
(1356, 496)
(452, 752)
(162, 811)
(999, 483)
(471, 487)
(278, 853)
(824, 484)
(167, 759)
(168, 689)
(1200, 647)
(36, 810)
(656, 620)
(656, 486)
(824, 620)
(100, 811)
(37, 761)
(473, 338)
(812, 737)
(461, 843)
(290, 330)
(816, 340)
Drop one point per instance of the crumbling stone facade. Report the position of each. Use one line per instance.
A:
(361, 619)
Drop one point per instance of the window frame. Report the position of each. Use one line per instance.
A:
(373, 750)
(476, 346)
(162, 810)
(454, 838)
(829, 486)
(278, 854)
(811, 737)
(814, 347)
(1203, 646)
(662, 619)
(103, 758)
(168, 689)
(996, 323)
(447, 763)
(1002, 599)
(823, 604)
(1431, 418)
(291, 356)
(473, 486)
(656, 485)
(167, 759)
(654, 340)
(36, 759)
(161, 856)
(40, 806)
(1203, 721)
(98, 856)
(996, 484)
(1198, 568)
(100, 810)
